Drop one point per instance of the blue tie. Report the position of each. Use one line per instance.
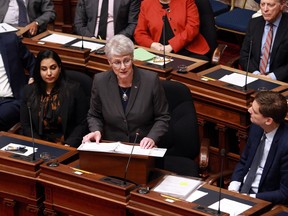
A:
(254, 166)
(23, 21)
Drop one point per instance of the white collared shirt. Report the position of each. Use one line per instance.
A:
(5, 88)
(110, 21)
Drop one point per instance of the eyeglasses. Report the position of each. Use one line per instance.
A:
(118, 64)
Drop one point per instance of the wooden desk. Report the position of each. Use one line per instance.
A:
(20, 192)
(90, 62)
(280, 210)
(69, 191)
(99, 63)
(222, 110)
(72, 57)
(153, 203)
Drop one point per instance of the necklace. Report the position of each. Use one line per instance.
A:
(124, 95)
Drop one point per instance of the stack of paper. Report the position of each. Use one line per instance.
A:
(118, 147)
(178, 186)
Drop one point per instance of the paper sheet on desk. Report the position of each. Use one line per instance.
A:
(177, 186)
(143, 55)
(118, 147)
(230, 206)
(58, 38)
(89, 45)
(4, 27)
(237, 79)
(161, 63)
(27, 153)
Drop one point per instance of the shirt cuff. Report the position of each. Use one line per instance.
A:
(234, 186)
(256, 72)
(272, 75)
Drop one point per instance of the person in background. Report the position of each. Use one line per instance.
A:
(104, 18)
(266, 42)
(126, 100)
(15, 58)
(181, 29)
(35, 14)
(58, 107)
(263, 172)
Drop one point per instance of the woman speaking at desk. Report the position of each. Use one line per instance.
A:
(126, 99)
(57, 107)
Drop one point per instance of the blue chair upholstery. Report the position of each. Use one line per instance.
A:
(219, 7)
(236, 20)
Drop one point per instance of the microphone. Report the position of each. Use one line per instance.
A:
(248, 63)
(164, 40)
(128, 162)
(82, 45)
(222, 153)
(32, 133)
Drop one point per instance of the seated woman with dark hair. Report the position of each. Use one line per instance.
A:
(58, 107)
(181, 19)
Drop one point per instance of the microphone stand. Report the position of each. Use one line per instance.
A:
(128, 162)
(222, 152)
(32, 133)
(164, 40)
(248, 63)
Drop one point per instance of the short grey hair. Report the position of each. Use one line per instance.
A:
(119, 45)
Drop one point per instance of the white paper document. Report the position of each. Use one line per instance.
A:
(237, 79)
(177, 186)
(58, 38)
(229, 206)
(196, 195)
(88, 45)
(118, 147)
(4, 27)
(19, 149)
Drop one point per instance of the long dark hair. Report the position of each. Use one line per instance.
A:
(41, 85)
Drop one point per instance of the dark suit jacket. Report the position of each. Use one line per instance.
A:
(279, 55)
(125, 17)
(16, 58)
(74, 108)
(147, 108)
(273, 185)
(41, 11)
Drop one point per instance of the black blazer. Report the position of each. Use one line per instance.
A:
(74, 105)
(279, 55)
(147, 108)
(16, 57)
(273, 184)
(125, 17)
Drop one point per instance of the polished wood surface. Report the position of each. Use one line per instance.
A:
(71, 191)
(114, 164)
(280, 210)
(20, 191)
(154, 203)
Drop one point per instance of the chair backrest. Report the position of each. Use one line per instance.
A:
(82, 78)
(182, 138)
(207, 24)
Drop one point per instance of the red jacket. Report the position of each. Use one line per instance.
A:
(183, 18)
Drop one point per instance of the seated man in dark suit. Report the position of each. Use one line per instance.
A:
(263, 172)
(14, 58)
(106, 18)
(266, 42)
(34, 14)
